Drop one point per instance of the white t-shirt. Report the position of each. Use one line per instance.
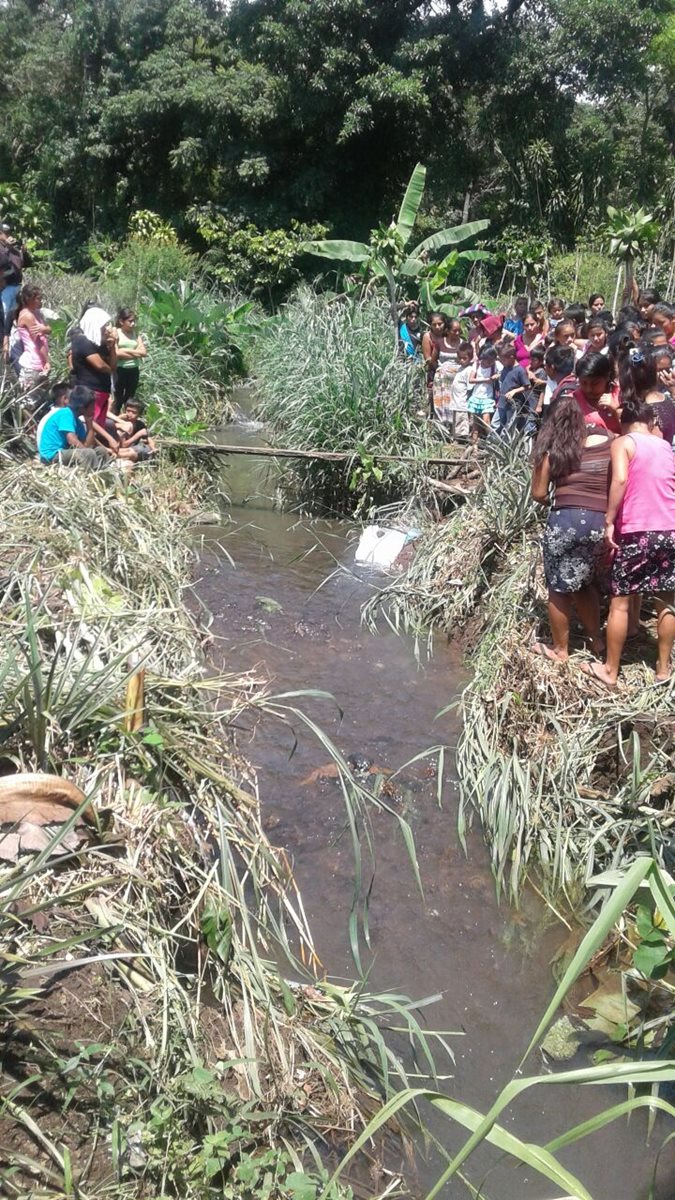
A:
(460, 390)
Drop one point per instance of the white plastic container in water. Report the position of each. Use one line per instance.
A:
(380, 547)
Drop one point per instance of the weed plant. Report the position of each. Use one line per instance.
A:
(153, 1044)
(327, 380)
(569, 780)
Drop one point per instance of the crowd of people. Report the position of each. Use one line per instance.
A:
(95, 416)
(594, 396)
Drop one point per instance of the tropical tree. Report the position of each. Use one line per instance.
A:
(629, 235)
(387, 256)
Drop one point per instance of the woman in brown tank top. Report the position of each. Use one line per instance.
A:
(573, 459)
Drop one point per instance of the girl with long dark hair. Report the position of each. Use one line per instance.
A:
(640, 530)
(130, 350)
(34, 360)
(572, 459)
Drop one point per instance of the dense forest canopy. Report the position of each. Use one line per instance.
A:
(533, 113)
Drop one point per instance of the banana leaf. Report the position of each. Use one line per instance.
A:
(411, 203)
(350, 251)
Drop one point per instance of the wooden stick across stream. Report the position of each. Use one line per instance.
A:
(320, 455)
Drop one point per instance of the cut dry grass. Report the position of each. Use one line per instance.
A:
(567, 777)
(171, 1052)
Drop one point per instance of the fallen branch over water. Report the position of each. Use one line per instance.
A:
(318, 455)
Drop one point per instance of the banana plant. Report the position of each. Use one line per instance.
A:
(387, 256)
(629, 235)
(436, 294)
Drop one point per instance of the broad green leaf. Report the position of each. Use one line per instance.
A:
(340, 250)
(453, 236)
(412, 267)
(647, 958)
(411, 203)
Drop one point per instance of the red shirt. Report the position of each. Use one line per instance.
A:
(606, 418)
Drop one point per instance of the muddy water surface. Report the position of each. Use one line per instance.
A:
(490, 965)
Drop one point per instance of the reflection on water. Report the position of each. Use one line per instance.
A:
(490, 964)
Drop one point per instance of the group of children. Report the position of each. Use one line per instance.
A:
(67, 432)
(499, 372)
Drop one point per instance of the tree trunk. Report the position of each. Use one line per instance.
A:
(466, 207)
(627, 296)
(669, 289)
(616, 289)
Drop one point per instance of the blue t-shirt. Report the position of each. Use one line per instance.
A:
(514, 325)
(53, 437)
(513, 377)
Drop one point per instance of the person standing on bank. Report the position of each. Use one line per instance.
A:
(94, 358)
(572, 457)
(640, 530)
(13, 258)
(130, 350)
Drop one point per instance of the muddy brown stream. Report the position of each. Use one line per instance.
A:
(490, 963)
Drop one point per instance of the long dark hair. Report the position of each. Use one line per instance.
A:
(28, 292)
(124, 314)
(562, 437)
(637, 376)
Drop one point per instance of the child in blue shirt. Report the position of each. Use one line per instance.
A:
(513, 384)
(68, 437)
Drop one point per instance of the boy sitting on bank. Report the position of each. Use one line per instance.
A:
(136, 435)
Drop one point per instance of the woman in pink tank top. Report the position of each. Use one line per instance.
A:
(640, 529)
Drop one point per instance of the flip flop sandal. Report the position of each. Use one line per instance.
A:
(587, 669)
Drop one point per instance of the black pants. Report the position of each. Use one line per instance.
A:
(126, 385)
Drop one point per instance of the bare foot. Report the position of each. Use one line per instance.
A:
(544, 651)
(599, 672)
(661, 678)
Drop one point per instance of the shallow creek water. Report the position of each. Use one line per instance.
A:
(490, 963)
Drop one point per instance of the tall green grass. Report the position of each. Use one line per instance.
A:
(327, 380)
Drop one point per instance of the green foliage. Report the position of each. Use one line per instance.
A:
(200, 323)
(629, 233)
(148, 226)
(140, 265)
(28, 216)
(317, 112)
(259, 262)
(576, 276)
(655, 954)
(526, 253)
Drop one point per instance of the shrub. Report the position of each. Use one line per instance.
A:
(262, 262)
(139, 265)
(576, 276)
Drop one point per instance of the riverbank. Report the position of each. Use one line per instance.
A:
(153, 1043)
(568, 779)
